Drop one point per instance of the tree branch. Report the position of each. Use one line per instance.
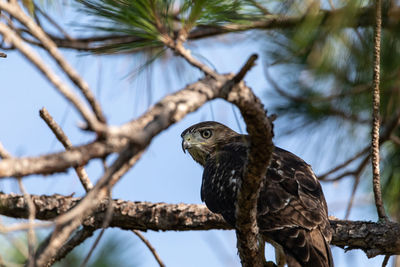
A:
(260, 131)
(159, 117)
(150, 247)
(376, 113)
(34, 29)
(35, 59)
(373, 238)
(363, 17)
(61, 136)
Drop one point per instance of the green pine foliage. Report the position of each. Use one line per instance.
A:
(149, 22)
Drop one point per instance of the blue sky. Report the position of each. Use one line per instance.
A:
(164, 173)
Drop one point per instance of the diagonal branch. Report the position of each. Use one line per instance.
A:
(78, 238)
(35, 59)
(59, 133)
(15, 10)
(150, 247)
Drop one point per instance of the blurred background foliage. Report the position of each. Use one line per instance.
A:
(15, 252)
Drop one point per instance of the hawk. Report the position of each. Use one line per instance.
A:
(291, 208)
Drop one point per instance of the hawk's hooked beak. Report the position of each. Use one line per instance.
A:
(185, 143)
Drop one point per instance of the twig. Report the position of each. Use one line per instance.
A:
(24, 226)
(59, 133)
(344, 164)
(48, 73)
(260, 7)
(51, 47)
(3, 152)
(106, 222)
(375, 114)
(79, 237)
(246, 67)
(53, 22)
(150, 247)
(352, 196)
(185, 53)
(31, 210)
(385, 260)
(357, 175)
(31, 219)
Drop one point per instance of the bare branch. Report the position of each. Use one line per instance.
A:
(373, 238)
(185, 53)
(53, 22)
(47, 72)
(79, 237)
(106, 222)
(150, 247)
(385, 260)
(52, 49)
(344, 164)
(376, 117)
(59, 133)
(31, 218)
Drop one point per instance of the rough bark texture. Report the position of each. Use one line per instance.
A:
(373, 238)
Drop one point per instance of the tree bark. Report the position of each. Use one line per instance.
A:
(373, 238)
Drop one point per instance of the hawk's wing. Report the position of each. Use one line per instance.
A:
(291, 207)
(292, 211)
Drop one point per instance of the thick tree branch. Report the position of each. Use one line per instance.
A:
(260, 131)
(373, 238)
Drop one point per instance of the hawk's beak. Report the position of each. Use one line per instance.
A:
(186, 142)
(185, 145)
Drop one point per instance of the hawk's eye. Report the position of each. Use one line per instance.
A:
(206, 134)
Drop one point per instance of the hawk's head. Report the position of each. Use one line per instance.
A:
(204, 138)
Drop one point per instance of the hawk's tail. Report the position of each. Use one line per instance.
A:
(304, 248)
